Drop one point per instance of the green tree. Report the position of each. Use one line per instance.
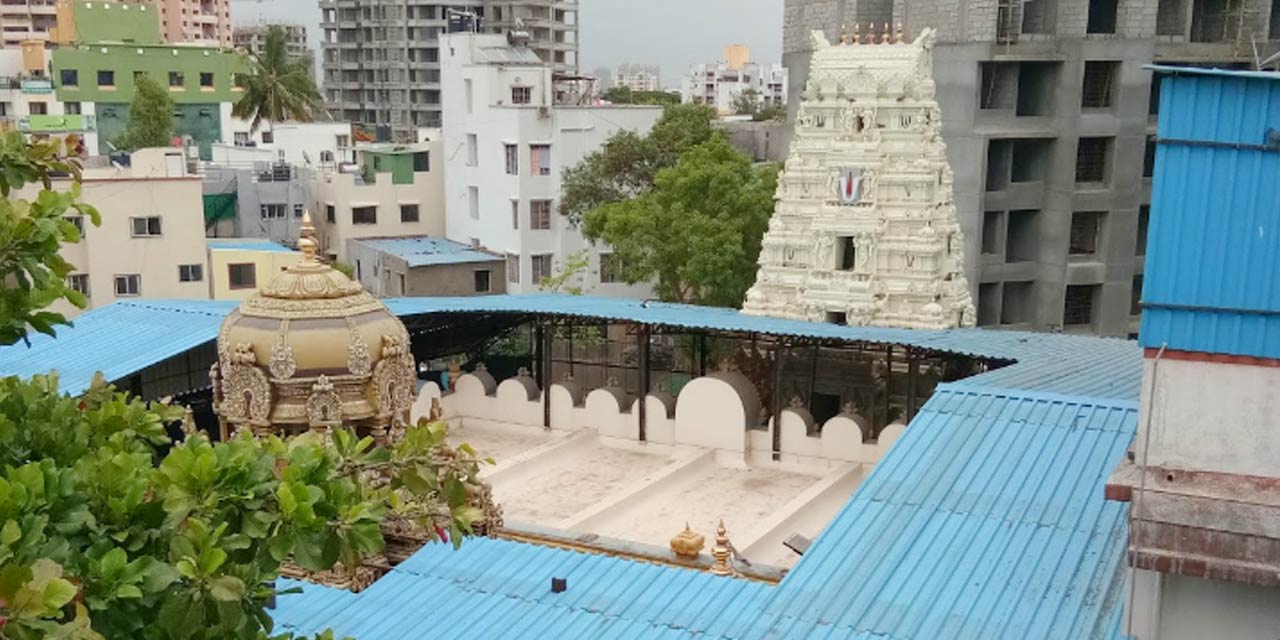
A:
(626, 95)
(278, 86)
(97, 537)
(746, 103)
(627, 163)
(32, 273)
(150, 116)
(568, 279)
(697, 233)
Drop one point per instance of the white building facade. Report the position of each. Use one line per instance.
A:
(638, 77)
(508, 138)
(865, 229)
(720, 84)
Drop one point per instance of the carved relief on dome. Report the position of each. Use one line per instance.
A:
(359, 362)
(393, 378)
(246, 391)
(324, 405)
(282, 365)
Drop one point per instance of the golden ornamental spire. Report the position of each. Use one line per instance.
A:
(901, 36)
(887, 35)
(189, 422)
(857, 35)
(307, 238)
(687, 544)
(721, 552)
(842, 35)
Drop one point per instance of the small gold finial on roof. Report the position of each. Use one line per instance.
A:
(189, 422)
(857, 36)
(688, 544)
(887, 35)
(901, 36)
(844, 36)
(437, 413)
(307, 237)
(721, 552)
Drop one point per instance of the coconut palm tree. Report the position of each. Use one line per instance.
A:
(278, 86)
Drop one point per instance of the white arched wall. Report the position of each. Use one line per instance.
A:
(715, 411)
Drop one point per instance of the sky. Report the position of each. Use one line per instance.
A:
(673, 34)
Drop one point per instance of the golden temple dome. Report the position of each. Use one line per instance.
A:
(312, 349)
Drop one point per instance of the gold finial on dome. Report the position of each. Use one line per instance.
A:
(887, 35)
(856, 35)
(721, 552)
(307, 237)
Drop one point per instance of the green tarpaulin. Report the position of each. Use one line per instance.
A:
(219, 206)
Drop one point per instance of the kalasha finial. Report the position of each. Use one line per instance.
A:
(842, 35)
(887, 36)
(721, 552)
(307, 237)
(857, 36)
(687, 544)
(189, 422)
(901, 36)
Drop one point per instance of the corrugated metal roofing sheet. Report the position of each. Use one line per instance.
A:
(422, 251)
(247, 244)
(106, 339)
(1210, 279)
(985, 520)
(118, 339)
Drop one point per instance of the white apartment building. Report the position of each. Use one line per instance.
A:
(721, 83)
(638, 77)
(151, 242)
(510, 132)
(28, 102)
(297, 143)
(392, 191)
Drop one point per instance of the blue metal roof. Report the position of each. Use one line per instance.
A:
(118, 340)
(1214, 236)
(247, 244)
(1212, 71)
(422, 251)
(1084, 365)
(985, 520)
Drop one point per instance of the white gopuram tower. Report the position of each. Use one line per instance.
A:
(865, 229)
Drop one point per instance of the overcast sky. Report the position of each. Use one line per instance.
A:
(673, 34)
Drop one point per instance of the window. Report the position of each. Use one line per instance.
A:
(521, 95)
(513, 268)
(364, 215)
(473, 202)
(206, 80)
(1149, 158)
(610, 268)
(176, 79)
(515, 214)
(421, 162)
(106, 78)
(145, 227)
(482, 281)
(1078, 306)
(1022, 241)
(72, 108)
(1102, 16)
(408, 213)
(1144, 219)
(330, 214)
(846, 253)
(991, 232)
(999, 85)
(129, 284)
(1135, 296)
(540, 159)
(190, 272)
(837, 317)
(541, 267)
(513, 159)
(268, 137)
(242, 275)
(988, 304)
(70, 77)
(1085, 227)
(78, 221)
(473, 150)
(326, 156)
(1099, 84)
(272, 211)
(540, 214)
(1091, 159)
(79, 282)
(38, 108)
(1017, 304)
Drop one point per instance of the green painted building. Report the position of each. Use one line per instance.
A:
(201, 82)
(401, 161)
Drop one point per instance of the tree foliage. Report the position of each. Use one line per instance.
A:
(150, 116)
(102, 534)
(278, 86)
(698, 231)
(568, 276)
(627, 95)
(31, 232)
(627, 164)
(751, 103)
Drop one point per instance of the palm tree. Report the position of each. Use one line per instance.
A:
(278, 86)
